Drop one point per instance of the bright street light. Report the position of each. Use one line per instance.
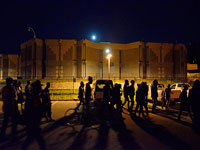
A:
(108, 56)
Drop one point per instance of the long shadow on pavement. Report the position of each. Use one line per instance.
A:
(102, 139)
(175, 119)
(124, 136)
(79, 141)
(161, 133)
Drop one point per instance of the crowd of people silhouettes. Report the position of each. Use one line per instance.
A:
(113, 95)
(37, 103)
(34, 107)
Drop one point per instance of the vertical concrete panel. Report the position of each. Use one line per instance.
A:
(27, 59)
(129, 63)
(167, 58)
(69, 58)
(52, 50)
(153, 64)
(180, 61)
(185, 62)
(154, 59)
(12, 66)
(39, 57)
(19, 66)
(1, 66)
(67, 63)
(177, 63)
(92, 62)
(23, 62)
(79, 61)
(114, 68)
(5, 66)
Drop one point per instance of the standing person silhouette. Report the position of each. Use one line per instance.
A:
(195, 103)
(34, 116)
(10, 108)
(139, 100)
(46, 101)
(88, 94)
(106, 103)
(81, 94)
(154, 94)
(107, 94)
(163, 100)
(167, 96)
(144, 98)
(117, 97)
(27, 94)
(132, 94)
(20, 98)
(126, 93)
(184, 106)
(146, 90)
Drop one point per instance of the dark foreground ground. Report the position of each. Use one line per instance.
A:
(162, 131)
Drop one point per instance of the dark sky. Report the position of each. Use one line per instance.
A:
(112, 21)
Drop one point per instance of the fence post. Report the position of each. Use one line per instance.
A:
(74, 80)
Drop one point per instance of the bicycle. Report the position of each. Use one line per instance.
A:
(75, 116)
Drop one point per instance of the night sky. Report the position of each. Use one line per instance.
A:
(112, 21)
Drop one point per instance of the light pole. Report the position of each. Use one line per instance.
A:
(34, 53)
(109, 55)
(31, 29)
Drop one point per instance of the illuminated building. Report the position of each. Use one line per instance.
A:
(54, 58)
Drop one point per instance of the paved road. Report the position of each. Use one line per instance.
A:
(162, 131)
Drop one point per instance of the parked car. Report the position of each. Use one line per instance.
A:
(176, 90)
(161, 91)
(98, 90)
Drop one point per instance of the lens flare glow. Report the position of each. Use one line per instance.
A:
(109, 56)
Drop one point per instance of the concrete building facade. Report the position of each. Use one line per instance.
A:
(48, 58)
(70, 58)
(10, 66)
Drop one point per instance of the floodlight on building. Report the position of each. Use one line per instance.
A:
(107, 50)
